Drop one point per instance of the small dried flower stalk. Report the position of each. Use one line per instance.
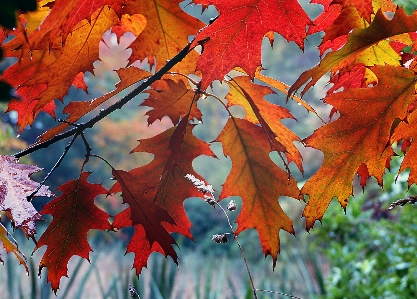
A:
(219, 238)
(207, 190)
(133, 292)
(402, 202)
(231, 206)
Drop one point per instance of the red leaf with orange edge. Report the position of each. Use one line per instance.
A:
(406, 131)
(11, 246)
(78, 55)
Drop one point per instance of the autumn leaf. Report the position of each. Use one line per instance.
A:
(64, 18)
(74, 214)
(19, 73)
(235, 37)
(145, 211)
(174, 102)
(166, 33)
(163, 182)
(360, 136)
(129, 23)
(79, 52)
(258, 181)
(259, 111)
(11, 246)
(407, 130)
(363, 7)
(15, 186)
(139, 244)
(359, 42)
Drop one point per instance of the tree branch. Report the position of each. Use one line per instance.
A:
(105, 112)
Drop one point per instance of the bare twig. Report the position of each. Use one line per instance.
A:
(30, 196)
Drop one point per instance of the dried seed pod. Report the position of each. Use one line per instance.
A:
(231, 206)
(219, 238)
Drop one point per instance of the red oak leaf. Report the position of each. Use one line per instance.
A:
(163, 182)
(139, 244)
(145, 212)
(74, 214)
(235, 37)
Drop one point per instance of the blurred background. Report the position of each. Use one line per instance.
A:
(367, 252)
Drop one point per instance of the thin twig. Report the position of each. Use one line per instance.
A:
(30, 196)
(288, 295)
(105, 112)
(241, 251)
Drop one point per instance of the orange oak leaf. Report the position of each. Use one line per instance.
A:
(64, 17)
(405, 130)
(128, 77)
(174, 102)
(51, 26)
(259, 181)
(78, 55)
(259, 111)
(85, 10)
(360, 136)
(235, 37)
(359, 42)
(74, 214)
(11, 246)
(15, 186)
(166, 33)
(163, 180)
(129, 23)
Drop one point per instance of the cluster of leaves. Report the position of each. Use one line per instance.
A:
(368, 49)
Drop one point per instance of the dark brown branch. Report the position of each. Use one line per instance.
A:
(105, 112)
